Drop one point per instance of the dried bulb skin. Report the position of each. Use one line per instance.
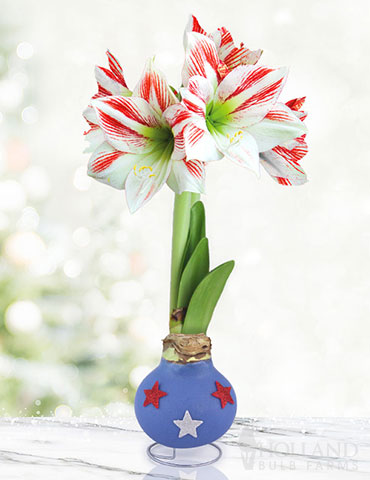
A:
(185, 348)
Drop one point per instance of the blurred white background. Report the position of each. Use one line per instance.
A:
(292, 329)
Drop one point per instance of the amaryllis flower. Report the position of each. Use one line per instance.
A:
(110, 82)
(228, 53)
(138, 152)
(282, 161)
(234, 115)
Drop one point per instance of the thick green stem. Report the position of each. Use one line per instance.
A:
(181, 220)
(194, 198)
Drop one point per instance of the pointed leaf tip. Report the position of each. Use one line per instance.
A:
(194, 272)
(205, 298)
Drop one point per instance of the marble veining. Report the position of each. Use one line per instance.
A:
(253, 448)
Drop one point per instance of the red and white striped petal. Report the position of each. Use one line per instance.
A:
(192, 138)
(228, 53)
(111, 81)
(280, 125)
(95, 137)
(200, 59)
(296, 104)
(197, 95)
(193, 26)
(90, 116)
(146, 179)
(248, 93)
(242, 149)
(153, 87)
(200, 144)
(231, 55)
(178, 117)
(127, 122)
(110, 166)
(187, 176)
(282, 162)
(294, 150)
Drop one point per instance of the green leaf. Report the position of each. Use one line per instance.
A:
(205, 298)
(197, 229)
(195, 270)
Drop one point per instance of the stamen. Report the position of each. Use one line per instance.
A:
(144, 166)
(236, 137)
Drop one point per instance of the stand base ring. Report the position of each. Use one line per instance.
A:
(170, 460)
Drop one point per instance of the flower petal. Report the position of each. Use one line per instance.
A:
(188, 123)
(247, 93)
(282, 162)
(109, 166)
(153, 87)
(197, 95)
(147, 178)
(199, 143)
(90, 116)
(95, 137)
(231, 55)
(177, 117)
(111, 81)
(200, 59)
(193, 26)
(116, 69)
(127, 122)
(187, 176)
(280, 125)
(243, 150)
(296, 104)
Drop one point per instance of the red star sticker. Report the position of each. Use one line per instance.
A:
(153, 395)
(223, 393)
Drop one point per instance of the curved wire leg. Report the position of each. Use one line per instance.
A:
(168, 460)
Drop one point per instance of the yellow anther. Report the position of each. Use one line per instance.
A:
(227, 135)
(144, 166)
(108, 179)
(240, 132)
(152, 175)
(135, 170)
(231, 139)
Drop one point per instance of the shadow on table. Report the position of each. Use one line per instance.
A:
(171, 473)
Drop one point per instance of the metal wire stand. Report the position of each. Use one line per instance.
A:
(170, 460)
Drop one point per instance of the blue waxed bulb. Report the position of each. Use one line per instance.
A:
(188, 388)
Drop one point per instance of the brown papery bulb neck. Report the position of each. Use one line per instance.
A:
(186, 348)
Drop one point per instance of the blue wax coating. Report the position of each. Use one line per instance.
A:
(188, 387)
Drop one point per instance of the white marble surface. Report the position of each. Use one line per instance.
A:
(259, 448)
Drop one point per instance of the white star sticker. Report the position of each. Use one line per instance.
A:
(187, 425)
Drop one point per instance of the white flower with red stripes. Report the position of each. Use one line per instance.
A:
(229, 108)
(138, 152)
(110, 82)
(228, 53)
(282, 161)
(232, 114)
